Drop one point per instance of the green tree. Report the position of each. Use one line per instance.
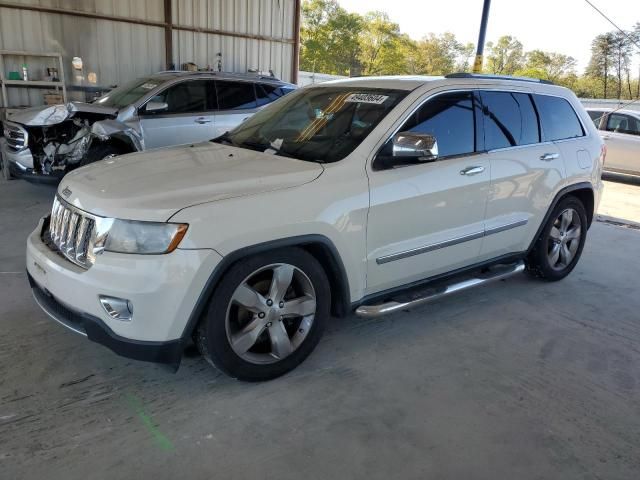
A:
(554, 65)
(621, 52)
(466, 55)
(329, 37)
(381, 46)
(505, 56)
(601, 59)
(439, 54)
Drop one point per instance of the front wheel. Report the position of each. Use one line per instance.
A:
(266, 316)
(559, 246)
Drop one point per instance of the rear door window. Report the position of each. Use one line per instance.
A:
(558, 118)
(621, 123)
(235, 95)
(510, 120)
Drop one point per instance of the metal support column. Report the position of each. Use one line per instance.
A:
(477, 64)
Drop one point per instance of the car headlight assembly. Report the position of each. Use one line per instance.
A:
(149, 238)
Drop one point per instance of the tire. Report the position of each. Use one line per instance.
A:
(559, 246)
(6, 172)
(254, 329)
(99, 151)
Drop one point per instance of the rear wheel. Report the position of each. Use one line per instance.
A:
(560, 244)
(266, 316)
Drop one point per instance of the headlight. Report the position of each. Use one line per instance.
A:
(128, 236)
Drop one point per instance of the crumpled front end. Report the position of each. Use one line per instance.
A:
(50, 141)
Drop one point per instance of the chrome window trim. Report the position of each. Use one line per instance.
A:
(529, 91)
(449, 243)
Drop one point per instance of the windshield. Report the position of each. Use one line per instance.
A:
(130, 92)
(321, 124)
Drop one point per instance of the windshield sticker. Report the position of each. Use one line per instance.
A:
(366, 98)
(149, 86)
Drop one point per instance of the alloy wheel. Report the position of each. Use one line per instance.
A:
(564, 239)
(270, 313)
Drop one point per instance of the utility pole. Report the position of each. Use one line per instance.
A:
(477, 64)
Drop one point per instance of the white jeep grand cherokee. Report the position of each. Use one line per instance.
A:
(370, 194)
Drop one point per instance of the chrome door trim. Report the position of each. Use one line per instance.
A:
(449, 243)
(429, 248)
(507, 226)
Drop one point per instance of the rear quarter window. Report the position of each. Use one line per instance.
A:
(558, 118)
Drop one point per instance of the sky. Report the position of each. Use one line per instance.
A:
(564, 26)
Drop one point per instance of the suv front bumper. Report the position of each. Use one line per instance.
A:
(162, 288)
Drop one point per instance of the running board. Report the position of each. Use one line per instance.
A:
(429, 294)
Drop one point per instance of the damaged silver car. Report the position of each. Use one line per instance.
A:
(165, 109)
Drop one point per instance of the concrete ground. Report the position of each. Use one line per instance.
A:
(517, 380)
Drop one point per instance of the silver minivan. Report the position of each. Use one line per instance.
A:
(164, 109)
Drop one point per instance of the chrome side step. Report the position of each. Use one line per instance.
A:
(430, 294)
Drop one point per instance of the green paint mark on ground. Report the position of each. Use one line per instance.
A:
(136, 404)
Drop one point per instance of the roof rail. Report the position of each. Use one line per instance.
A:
(253, 75)
(485, 76)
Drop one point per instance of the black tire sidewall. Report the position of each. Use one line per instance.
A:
(539, 256)
(212, 331)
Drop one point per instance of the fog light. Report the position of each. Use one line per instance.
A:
(117, 308)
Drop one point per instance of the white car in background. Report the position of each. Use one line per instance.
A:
(620, 129)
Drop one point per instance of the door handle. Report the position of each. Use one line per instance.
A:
(469, 171)
(202, 120)
(547, 157)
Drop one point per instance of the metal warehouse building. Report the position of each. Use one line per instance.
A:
(106, 42)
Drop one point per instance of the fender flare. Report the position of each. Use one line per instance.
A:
(561, 194)
(336, 273)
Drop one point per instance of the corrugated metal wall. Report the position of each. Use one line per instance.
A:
(116, 51)
(265, 18)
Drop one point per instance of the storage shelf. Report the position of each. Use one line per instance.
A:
(31, 83)
(5, 83)
(21, 53)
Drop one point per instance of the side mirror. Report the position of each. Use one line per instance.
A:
(155, 107)
(419, 146)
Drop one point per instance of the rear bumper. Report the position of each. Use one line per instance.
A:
(167, 353)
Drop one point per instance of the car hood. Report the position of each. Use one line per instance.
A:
(54, 114)
(155, 184)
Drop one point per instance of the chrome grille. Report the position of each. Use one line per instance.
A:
(16, 136)
(71, 233)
